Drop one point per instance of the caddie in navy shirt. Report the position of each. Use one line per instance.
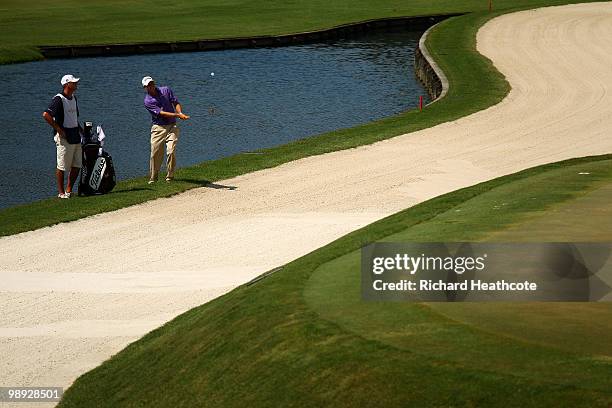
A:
(164, 109)
(63, 116)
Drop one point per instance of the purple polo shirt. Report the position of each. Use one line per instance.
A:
(165, 100)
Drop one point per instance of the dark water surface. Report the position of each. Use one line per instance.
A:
(257, 98)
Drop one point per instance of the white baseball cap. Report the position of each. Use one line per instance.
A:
(69, 78)
(146, 80)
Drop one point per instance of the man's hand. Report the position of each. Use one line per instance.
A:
(179, 115)
(58, 129)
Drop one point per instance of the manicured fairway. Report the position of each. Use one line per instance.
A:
(578, 327)
(531, 210)
(110, 21)
(302, 337)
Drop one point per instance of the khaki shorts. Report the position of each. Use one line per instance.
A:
(68, 155)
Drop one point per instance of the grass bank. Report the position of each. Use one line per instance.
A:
(302, 337)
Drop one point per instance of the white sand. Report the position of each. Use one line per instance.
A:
(64, 312)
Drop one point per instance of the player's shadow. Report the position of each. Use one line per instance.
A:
(208, 184)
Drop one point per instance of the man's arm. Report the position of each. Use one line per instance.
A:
(178, 114)
(156, 110)
(177, 106)
(49, 119)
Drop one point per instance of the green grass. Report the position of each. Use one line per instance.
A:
(583, 328)
(62, 22)
(301, 337)
(592, 213)
(125, 21)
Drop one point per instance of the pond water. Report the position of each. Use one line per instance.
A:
(257, 98)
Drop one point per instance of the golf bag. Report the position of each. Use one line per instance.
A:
(97, 171)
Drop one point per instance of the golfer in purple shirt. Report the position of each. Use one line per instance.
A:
(164, 109)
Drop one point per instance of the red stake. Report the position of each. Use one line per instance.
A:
(420, 102)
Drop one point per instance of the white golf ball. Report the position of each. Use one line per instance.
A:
(212, 74)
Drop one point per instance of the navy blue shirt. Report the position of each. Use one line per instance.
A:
(56, 109)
